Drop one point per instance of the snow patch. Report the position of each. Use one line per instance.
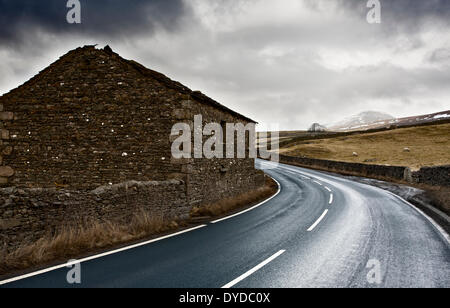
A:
(441, 116)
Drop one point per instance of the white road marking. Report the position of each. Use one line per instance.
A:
(444, 234)
(327, 188)
(43, 271)
(250, 209)
(253, 270)
(331, 199)
(318, 221)
(318, 183)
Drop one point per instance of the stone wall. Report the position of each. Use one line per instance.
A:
(435, 176)
(213, 179)
(384, 172)
(93, 118)
(28, 214)
(86, 121)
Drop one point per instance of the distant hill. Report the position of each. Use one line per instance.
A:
(361, 121)
(373, 120)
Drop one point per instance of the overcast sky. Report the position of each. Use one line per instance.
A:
(292, 62)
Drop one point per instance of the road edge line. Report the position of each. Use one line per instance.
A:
(253, 207)
(56, 267)
(438, 228)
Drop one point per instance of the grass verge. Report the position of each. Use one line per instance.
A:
(70, 242)
(230, 204)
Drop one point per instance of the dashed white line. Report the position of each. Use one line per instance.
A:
(331, 199)
(318, 183)
(253, 270)
(50, 269)
(318, 221)
(327, 188)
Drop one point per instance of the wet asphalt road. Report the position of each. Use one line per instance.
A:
(320, 231)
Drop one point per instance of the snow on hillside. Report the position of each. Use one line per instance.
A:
(362, 120)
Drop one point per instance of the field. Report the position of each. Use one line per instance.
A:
(413, 147)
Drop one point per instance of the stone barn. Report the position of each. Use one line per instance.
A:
(90, 135)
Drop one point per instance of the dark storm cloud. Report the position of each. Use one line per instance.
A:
(110, 18)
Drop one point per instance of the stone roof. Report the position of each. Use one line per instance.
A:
(147, 73)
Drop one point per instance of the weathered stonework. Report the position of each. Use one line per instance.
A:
(94, 119)
(28, 214)
(434, 176)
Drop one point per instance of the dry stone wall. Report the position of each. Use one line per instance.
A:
(435, 176)
(438, 176)
(28, 214)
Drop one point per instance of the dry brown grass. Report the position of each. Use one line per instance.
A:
(429, 146)
(229, 204)
(70, 242)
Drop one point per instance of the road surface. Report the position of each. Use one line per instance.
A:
(320, 230)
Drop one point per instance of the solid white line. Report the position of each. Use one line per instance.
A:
(250, 209)
(331, 198)
(444, 234)
(253, 270)
(97, 256)
(318, 183)
(318, 221)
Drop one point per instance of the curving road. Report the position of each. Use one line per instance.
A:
(320, 230)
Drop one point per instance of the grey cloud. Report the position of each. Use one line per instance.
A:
(110, 18)
(440, 56)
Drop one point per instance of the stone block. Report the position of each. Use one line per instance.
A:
(181, 114)
(187, 103)
(6, 171)
(6, 224)
(180, 161)
(7, 150)
(4, 133)
(176, 176)
(6, 116)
